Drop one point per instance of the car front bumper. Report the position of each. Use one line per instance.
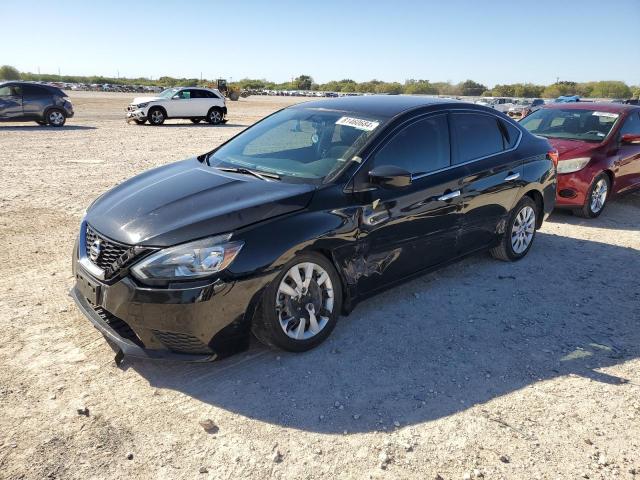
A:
(138, 114)
(573, 188)
(197, 323)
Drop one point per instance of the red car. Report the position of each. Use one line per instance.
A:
(599, 151)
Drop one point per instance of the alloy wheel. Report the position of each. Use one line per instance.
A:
(56, 118)
(215, 117)
(304, 301)
(157, 116)
(523, 229)
(599, 195)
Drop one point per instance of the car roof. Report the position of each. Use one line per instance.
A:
(50, 88)
(377, 105)
(599, 106)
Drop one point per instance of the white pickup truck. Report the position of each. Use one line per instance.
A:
(196, 104)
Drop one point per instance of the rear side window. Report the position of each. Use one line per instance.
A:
(421, 147)
(32, 91)
(474, 136)
(511, 134)
(10, 91)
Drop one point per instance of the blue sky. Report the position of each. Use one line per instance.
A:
(500, 41)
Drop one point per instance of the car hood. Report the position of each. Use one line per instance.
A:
(138, 100)
(187, 200)
(572, 148)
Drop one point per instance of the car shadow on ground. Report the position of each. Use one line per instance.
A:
(43, 128)
(439, 344)
(201, 125)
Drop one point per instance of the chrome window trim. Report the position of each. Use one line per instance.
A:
(445, 112)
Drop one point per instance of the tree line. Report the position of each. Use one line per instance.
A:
(599, 89)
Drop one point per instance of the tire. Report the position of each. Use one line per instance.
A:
(215, 116)
(156, 116)
(195, 120)
(593, 207)
(56, 117)
(280, 312)
(520, 232)
(139, 122)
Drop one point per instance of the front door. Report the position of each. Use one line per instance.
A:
(10, 102)
(403, 231)
(628, 155)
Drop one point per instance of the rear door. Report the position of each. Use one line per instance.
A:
(628, 155)
(34, 100)
(485, 143)
(409, 229)
(10, 102)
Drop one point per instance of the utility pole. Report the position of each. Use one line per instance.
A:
(58, 73)
(557, 79)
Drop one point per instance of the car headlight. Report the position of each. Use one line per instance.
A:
(573, 165)
(142, 105)
(190, 260)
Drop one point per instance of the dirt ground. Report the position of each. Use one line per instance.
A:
(484, 369)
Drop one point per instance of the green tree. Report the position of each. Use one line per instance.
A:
(392, 88)
(471, 88)
(419, 87)
(303, 82)
(610, 89)
(7, 72)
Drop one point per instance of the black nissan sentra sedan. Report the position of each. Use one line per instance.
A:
(290, 223)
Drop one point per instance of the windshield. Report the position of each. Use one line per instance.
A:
(585, 125)
(169, 92)
(301, 143)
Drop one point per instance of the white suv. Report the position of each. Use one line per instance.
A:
(196, 104)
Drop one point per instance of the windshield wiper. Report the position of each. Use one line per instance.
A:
(245, 171)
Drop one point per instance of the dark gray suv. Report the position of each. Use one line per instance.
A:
(24, 102)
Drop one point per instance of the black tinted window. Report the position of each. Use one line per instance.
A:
(34, 91)
(474, 136)
(511, 134)
(631, 124)
(421, 147)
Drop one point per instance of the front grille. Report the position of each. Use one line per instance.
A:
(121, 327)
(181, 342)
(113, 256)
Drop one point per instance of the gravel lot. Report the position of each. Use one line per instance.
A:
(484, 369)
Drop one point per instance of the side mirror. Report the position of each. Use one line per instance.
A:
(630, 138)
(390, 176)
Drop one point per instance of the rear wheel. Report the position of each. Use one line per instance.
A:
(300, 308)
(156, 116)
(56, 117)
(520, 232)
(596, 197)
(214, 117)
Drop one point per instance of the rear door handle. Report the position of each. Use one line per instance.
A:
(449, 196)
(512, 177)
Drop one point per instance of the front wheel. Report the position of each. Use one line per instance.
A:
(596, 197)
(300, 308)
(521, 230)
(156, 116)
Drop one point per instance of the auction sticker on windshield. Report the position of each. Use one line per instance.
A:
(359, 123)
(605, 114)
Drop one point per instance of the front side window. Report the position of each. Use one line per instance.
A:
(631, 125)
(570, 124)
(421, 147)
(168, 93)
(299, 143)
(474, 136)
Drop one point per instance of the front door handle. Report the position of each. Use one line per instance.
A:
(449, 196)
(512, 177)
